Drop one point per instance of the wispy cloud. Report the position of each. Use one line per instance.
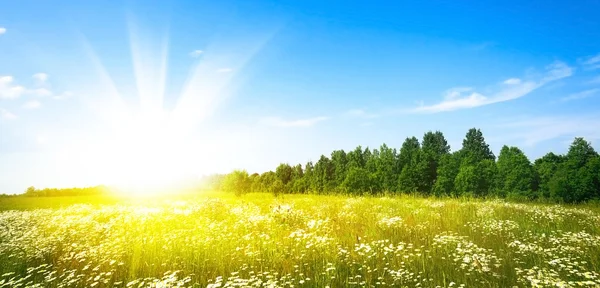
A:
(40, 92)
(540, 129)
(33, 104)
(5, 114)
(360, 113)
(40, 78)
(224, 70)
(512, 81)
(2, 30)
(63, 96)
(196, 53)
(591, 62)
(595, 80)
(278, 122)
(467, 97)
(9, 90)
(581, 95)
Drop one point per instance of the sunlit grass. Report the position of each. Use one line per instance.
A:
(218, 240)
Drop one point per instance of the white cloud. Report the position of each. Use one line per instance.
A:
(512, 81)
(8, 90)
(2, 30)
(33, 104)
(40, 92)
(40, 78)
(196, 53)
(359, 113)
(581, 95)
(5, 114)
(278, 122)
(536, 130)
(455, 92)
(224, 70)
(64, 95)
(466, 97)
(592, 62)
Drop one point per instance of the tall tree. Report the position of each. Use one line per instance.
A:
(324, 175)
(237, 182)
(545, 168)
(411, 176)
(339, 162)
(387, 169)
(434, 147)
(357, 181)
(356, 158)
(476, 179)
(576, 179)
(408, 152)
(515, 173)
(447, 171)
(284, 173)
(474, 149)
(309, 176)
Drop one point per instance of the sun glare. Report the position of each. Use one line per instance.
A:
(150, 156)
(144, 148)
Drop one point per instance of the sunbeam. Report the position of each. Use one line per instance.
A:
(147, 148)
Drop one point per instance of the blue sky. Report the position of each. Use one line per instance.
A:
(93, 93)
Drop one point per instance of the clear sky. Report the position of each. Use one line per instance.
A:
(109, 92)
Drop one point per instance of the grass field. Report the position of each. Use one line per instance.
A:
(297, 241)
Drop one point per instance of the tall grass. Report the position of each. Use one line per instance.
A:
(301, 241)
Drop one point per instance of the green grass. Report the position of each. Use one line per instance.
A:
(297, 240)
(30, 203)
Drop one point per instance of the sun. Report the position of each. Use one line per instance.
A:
(149, 155)
(141, 146)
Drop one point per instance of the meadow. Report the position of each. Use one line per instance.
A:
(257, 240)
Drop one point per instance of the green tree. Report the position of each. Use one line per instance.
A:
(356, 158)
(411, 175)
(576, 179)
(408, 152)
(545, 168)
(515, 173)
(323, 175)
(309, 177)
(267, 179)
(255, 183)
(447, 171)
(339, 162)
(434, 148)
(357, 181)
(476, 180)
(277, 187)
(237, 182)
(474, 149)
(387, 168)
(284, 173)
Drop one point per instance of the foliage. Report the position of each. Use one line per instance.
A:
(237, 182)
(515, 173)
(54, 192)
(429, 168)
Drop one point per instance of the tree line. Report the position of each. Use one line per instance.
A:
(428, 167)
(56, 192)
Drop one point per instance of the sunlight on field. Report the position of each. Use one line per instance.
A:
(301, 241)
